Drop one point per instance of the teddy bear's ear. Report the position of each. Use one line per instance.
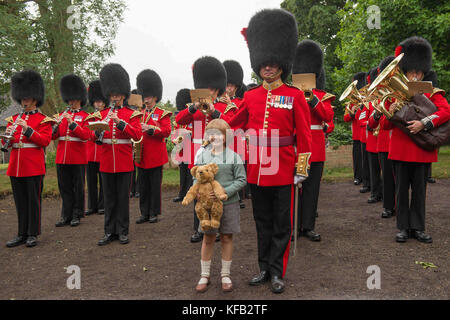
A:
(194, 171)
(214, 167)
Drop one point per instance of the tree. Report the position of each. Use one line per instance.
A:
(361, 48)
(56, 37)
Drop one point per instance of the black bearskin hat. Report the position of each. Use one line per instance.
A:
(418, 54)
(149, 84)
(361, 77)
(209, 73)
(183, 98)
(72, 87)
(272, 37)
(240, 91)
(320, 81)
(235, 74)
(308, 58)
(28, 84)
(384, 63)
(431, 76)
(114, 79)
(95, 93)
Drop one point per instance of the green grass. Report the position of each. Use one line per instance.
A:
(171, 177)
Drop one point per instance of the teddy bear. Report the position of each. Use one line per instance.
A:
(209, 211)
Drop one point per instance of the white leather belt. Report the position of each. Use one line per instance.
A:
(117, 141)
(316, 127)
(21, 145)
(69, 138)
(199, 141)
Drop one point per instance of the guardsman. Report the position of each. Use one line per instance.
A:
(116, 160)
(235, 82)
(71, 154)
(363, 116)
(134, 191)
(383, 140)
(376, 192)
(209, 73)
(180, 136)
(94, 179)
(411, 162)
(31, 132)
(277, 119)
(156, 127)
(309, 59)
(431, 76)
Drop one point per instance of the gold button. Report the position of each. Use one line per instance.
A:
(114, 141)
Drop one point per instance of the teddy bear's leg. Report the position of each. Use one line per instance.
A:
(203, 216)
(216, 214)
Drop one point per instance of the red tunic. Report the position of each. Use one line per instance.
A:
(29, 162)
(72, 146)
(362, 123)
(403, 148)
(371, 144)
(354, 120)
(240, 143)
(384, 135)
(154, 150)
(322, 112)
(118, 157)
(279, 111)
(184, 131)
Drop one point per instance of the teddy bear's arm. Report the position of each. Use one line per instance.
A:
(191, 194)
(219, 191)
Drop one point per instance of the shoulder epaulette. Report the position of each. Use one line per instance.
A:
(328, 96)
(166, 113)
(437, 90)
(230, 107)
(136, 114)
(48, 119)
(94, 115)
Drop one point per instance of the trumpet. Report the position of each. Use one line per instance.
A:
(99, 141)
(308, 94)
(179, 140)
(393, 84)
(7, 138)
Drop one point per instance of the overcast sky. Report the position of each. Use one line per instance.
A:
(169, 35)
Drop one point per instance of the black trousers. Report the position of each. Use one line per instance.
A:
(357, 161)
(94, 180)
(375, 174)
(388, 181)
(71, 188)
(134, 182)
(185, 179)
(411, 215)
(309, 197)
(150, 191)
(27, 193)
(272, 211)
(365, 166)
(116, 188)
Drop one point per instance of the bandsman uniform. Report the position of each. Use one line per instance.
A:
(26, 167)
(351, 114)
(154, 150)
(183, 133)
(276, 117)
(93, 176)
(411, 162)
(116, 160)
(371, 148)
(71, 153)
(309, 59)
(383, 141)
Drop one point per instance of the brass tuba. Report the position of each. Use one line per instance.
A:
(391, 83)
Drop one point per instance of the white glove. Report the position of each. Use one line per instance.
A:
(299, 179)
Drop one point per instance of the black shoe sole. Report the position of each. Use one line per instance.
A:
(15, 244)
(153, 220)
(30, 245)
(400, 240)
(142, 221)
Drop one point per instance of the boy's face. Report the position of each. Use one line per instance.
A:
(216, 138)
